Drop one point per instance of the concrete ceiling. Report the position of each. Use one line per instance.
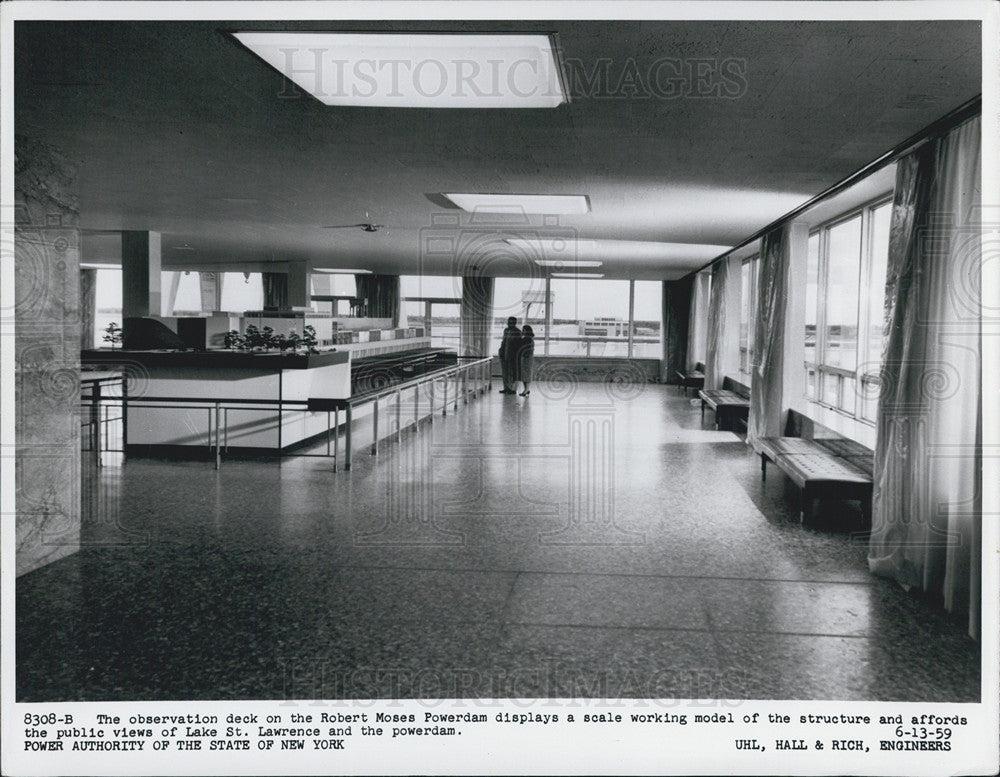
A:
(179, 129)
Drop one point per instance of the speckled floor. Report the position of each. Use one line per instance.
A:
(585, 541)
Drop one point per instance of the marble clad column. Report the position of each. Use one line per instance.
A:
(47, 355)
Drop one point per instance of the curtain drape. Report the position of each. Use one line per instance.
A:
(927, 518)
(275, 290)
(676, 315)
(476, 316)
(766, 375)
(715, 351)
(698, 321)
(380, 296)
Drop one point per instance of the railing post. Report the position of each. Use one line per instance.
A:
(375, 427)
(399, 416)
(465, 386)
(327, 432)
(347, 436)
(416, 408)
(336, 437)
(95, 420)
(430, 416)
(444, 405)
(218, 425)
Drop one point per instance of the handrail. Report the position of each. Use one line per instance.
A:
(435, 375)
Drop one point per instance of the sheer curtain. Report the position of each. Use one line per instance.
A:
(715, 352)
(927, 518)
(477, 316)
(698, 321)
(768, 339)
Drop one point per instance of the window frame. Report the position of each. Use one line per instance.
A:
(865, 381)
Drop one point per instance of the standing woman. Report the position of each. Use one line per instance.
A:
(526, 357)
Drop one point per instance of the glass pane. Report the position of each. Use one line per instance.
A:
(241, 293)
(188, 300)
(445, 325)
(522, 298)
(744, 305)
(333, 284)
(848, 395)
(647, 324)
(445, 286)
(843, 274)
(811, 382)
(108, 303)
(831, 389)
(589, 318)
(812, 298)
(881, 218)
(869, 400)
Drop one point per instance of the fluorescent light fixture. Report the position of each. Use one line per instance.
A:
(416, 70)
(99, 266)
(569, 264)
(518, 204)
(577, 275)
(341, 271)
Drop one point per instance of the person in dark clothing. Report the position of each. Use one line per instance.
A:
(526, 358)
(509, 356)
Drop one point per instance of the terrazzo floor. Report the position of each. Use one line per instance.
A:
(585, 541)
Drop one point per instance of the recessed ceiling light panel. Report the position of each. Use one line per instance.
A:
(340, 271)
(516, 204)
(416, 70)
(577, 275)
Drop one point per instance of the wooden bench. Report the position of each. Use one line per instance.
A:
(731, 404)
(694, 379)
(821, 463)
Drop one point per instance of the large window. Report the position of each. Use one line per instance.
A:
(434, 302)
(845, 289)
(108, 303)
(748, 312)
(647, 318)
(332, 293)
(242, 291)
(587, 317)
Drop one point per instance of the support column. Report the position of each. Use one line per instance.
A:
(88, 307)
(676, 313)
(299, 291)
(46, 340)
(141, 261)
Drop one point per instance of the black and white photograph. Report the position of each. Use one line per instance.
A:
(500, 387)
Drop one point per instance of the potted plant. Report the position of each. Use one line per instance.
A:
(233, 340)
(252, 340)
(113, 334)
(309, 339)
(267, 338)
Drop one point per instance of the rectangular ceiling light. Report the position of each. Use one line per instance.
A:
(577, 275)
(417, 70)
(568, 264)
(99, 266)
(517, 204)
(341, 271)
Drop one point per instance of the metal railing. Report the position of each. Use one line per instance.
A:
(468, 378)
(98, 427)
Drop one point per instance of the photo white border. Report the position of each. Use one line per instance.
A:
(512, 749)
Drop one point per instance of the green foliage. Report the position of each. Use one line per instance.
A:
(113, 334)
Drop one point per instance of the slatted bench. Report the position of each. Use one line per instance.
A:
(694, 379)
(731, 404)
(823, 467)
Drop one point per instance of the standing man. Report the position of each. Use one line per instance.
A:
(509, 356)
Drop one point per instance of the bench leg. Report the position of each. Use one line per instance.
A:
(763, 467)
